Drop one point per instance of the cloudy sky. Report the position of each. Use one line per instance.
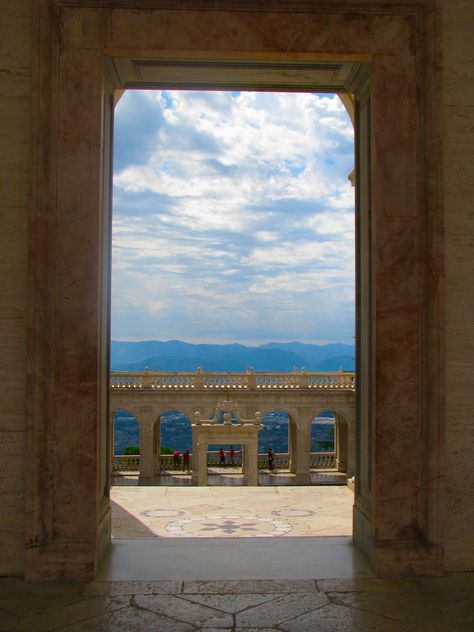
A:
(233, 219)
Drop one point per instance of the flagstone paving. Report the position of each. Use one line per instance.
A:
(229, 512)
(358, 603)
(332, 605)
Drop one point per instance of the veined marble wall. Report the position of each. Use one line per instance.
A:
(457, 186)
(455, 55)
(15, 115)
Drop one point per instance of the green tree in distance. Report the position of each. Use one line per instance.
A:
(132, 450)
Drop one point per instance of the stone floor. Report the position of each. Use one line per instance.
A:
(224, 512)
(328, 605)
(252, 584)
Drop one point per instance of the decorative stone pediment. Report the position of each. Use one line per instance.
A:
(227, 407)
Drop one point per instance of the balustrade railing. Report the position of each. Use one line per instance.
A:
(126, 463)
(318, 460)
(250, 380)
(322, 460)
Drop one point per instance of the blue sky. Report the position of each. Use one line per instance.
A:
(233, 218)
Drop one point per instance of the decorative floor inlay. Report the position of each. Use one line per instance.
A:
(167, 512)
(228, 526)
(293, 513)
(163, 513)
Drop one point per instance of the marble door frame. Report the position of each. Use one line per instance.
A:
(398, 509)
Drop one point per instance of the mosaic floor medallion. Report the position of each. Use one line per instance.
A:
(163, 513)
(228, 526)
(293, 513)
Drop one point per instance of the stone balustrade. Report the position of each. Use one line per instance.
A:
(249, 380)
(318, 460)
(126, 463)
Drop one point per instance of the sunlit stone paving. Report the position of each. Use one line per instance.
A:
(230, 512)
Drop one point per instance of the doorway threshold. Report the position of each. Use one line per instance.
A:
(233, 559)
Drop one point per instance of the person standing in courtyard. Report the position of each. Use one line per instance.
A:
(231, 455)
(186, 460)
(271, 459)
(176, 459)
(222, 455)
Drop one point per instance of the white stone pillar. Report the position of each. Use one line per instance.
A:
(202, 480)
(245, 463)
(351, 446)
(252, 464)
(292, 446)
(303, 436)
(195, 459)
(156, 448)
(340, 430)
(146, 450)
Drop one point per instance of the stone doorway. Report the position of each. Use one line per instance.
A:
(82, 57)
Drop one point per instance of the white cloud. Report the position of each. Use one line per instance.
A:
(239, 211)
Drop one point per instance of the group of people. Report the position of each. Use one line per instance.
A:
(270, 457)
(231, 456)
(177, 460)
(223, 462)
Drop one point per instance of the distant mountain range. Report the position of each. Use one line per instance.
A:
(175, 355)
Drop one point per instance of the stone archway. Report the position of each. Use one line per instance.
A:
(112, 430)
(69, 249)
(234, 430)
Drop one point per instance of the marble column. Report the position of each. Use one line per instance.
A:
(340, 430)
(202, 474)
(146, 450)
(245, 464)
(301, 470)
(156, 449)
(195, 463)
(351, 446)
(147, 458)
(292, 446)
(252, 464)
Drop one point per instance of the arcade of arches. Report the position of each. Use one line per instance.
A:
(409, 65)
(147, 405)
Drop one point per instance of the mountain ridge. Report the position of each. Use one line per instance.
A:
(176, 355)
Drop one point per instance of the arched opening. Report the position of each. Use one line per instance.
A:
(175, 438)
(323, 454)
(225, 458)
(333, 442)
(275, 435)
(125, 443)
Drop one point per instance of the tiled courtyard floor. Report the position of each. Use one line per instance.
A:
(331, 605)
(225, 512)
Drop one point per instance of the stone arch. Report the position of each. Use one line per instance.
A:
(344, 438)
(291, 430)
(112, 428)
(164, 419)
(126, 409)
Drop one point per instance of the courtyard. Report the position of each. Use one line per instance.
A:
(169, 511)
